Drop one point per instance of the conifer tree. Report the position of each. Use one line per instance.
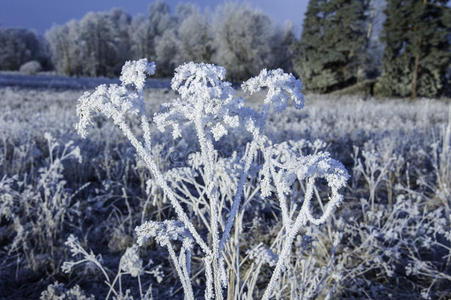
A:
(417, 52)
(332, 43)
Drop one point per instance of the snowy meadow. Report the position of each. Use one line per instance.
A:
(204, 191)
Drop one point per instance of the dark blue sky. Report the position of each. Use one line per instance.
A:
(42, 14)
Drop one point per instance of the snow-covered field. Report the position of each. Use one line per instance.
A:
(390, 238)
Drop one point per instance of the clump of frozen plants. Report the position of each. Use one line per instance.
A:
(211, 191)
(39, 207)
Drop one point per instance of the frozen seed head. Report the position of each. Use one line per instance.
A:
(131, 262)
(218, 131)
(200, 79)
(205, 99)
(283, 166)
(163, 232)
(282, 87)
(135, 72)
(113, 101)
(74, 245)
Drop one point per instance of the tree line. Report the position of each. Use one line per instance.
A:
(395, 47)
(236, 36)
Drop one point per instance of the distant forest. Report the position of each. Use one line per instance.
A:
(389, 48)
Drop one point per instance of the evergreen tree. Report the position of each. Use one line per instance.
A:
(417, 53)
(332, 43)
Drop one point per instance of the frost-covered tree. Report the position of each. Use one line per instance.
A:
(97, 45)
(142, 41)
(121, 22)
(147, 33)
(103, 42)
(243, 39)
(63, 42)
(18, 46)
(96, 34)
(417, 48)
(167, 52)
(160, 17)
(184, 10)
(194, 35)
(146, 29)
(239, 37)
(332, 43)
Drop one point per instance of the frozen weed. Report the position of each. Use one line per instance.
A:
(209, 109)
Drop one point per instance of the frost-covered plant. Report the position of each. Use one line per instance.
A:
(30, 68)
(408, 242)
(440, 159)
(164, 233)
(129, 264)
(40, 210)
(57, 291)
(214, 186)
(374, 168)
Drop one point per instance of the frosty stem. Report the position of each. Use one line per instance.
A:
(243, 176)
(146, 156)
(207, 151)
(286, 247)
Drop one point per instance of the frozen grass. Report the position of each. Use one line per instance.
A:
(391, 237)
